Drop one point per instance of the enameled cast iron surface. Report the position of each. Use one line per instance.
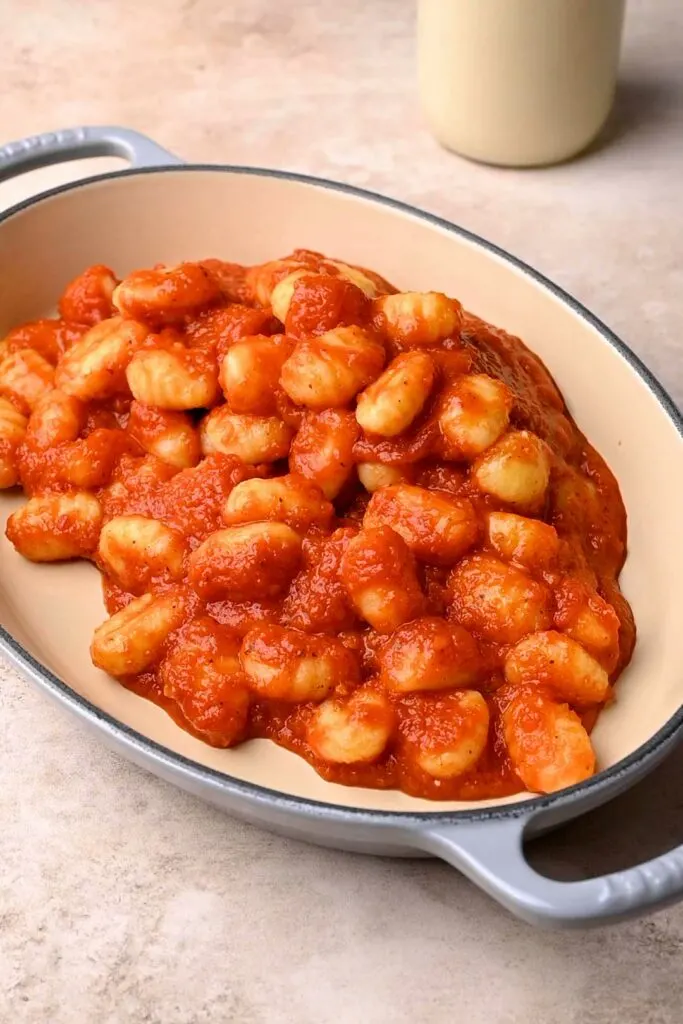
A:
(138, 218)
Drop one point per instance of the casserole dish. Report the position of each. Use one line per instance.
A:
(164, 211)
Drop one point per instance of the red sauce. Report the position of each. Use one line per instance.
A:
(582, 503)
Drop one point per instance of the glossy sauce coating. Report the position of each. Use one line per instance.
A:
(354, 521)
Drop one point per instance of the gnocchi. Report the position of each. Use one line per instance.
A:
(355, 521)
(355, 731)
(56, 527)
(12, 431)
(418, 318)
(559, 663)
(380, 575)
(444, 736)
(328, 371)
(548, 745)
(392, 402)
(134, 638)
(429, 654)
(176, 378)
(95, 366)
(243, 562)
(436, 527)
(252, 439)
(475, 413)
(498, 601)
(285, 664)
(516, 470)
(287, 499)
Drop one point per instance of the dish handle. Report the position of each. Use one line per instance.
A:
(79, 143)
(491, 854)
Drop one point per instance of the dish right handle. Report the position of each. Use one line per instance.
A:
(491, 854)
(79, 143)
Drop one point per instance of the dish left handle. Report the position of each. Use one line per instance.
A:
(81, 143)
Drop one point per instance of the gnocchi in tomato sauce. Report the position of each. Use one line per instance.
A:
(354, 521)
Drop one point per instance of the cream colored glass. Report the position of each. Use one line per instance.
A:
(518, 82)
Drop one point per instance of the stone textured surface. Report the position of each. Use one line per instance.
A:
(123, 900)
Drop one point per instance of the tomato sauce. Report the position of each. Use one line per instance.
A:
(582, 503)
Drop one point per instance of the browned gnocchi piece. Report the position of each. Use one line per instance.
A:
(243, 562)
(288, 665)
(417, 318)
(175, 378)
(95, 366)
(475, 412)
(283, 293)
(201, 672)
(375, 475)
(133, 639)
(250, 373)
(380, 576)
(252, 439)
(328, 371)
(56, 527)
(322, 450)
(166, 295)
(135, 550)
(389, 405)
(287, 499)
(429, 654)
(559, 663)
(547, 743)
(529, 542)
(12, 432)
(586, 617)
(27, 374)
(444, 735)
(437, 528)
(56, 419)
(355, 731)
(516, 469)
(498, 601)
(166, 433)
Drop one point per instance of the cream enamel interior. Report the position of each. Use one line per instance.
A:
(189, 214)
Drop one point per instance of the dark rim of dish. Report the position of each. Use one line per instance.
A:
(255, 794)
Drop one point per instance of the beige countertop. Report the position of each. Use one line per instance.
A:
(122, 899)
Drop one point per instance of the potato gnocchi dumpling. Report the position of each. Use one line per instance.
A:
(174, 378)
(355, 521)
(444, 736)
(95, 367)
(559, 663)
(476, 411)
(133, 639)
(242, 562)
(26, 374)
(286, 664)
(548, 745)
(353, 731)
(516, 470)
(56, 527)
(12, 432)
(201, 672)
(392, 402)
(417, 318)
(498, 601)
(436, 527)
(328, 371)
(289, 499)
(380, 575)
(429, 654)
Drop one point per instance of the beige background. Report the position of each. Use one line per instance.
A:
(122, 899)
